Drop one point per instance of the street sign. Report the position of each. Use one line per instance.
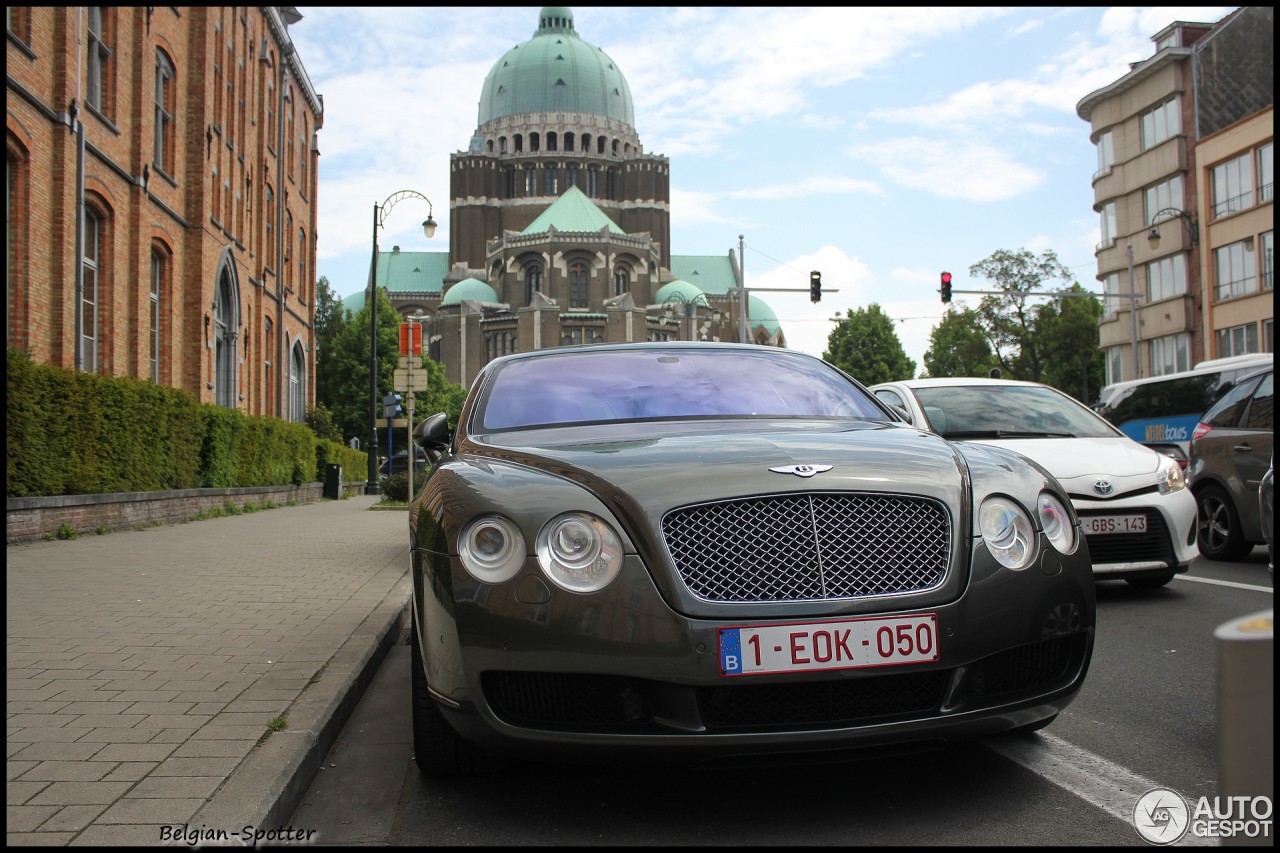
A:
(411, 339)
(420, 380)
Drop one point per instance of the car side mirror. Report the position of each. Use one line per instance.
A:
(433, 435)
(900, 412)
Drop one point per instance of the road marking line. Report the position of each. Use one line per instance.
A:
(1090, 777)
(1226, 583)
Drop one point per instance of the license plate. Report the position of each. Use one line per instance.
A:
(1098, 525)
(839, 644)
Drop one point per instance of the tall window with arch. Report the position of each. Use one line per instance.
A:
(286, 267)
(91, 264)
(268, 378)
(621, 280)
(166, 96)
(159, 272)
(304, 156)
(225, 324)
(269, 218)
(297, 384)
(532, 281)
(98, 73)
(304, 289)
(578, 285)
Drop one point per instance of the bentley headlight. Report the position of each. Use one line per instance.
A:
(1056, 522)
(491, 549)
(1007, 531)
(1171, 478)
(579, 552)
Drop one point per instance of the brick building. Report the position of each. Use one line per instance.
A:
(161, 176)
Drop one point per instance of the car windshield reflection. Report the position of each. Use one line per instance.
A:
(1008, 411)
(661, 384)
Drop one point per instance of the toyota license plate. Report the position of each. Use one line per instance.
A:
(1097, 525)
(839, 644)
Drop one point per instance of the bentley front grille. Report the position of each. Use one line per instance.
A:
(810, 546)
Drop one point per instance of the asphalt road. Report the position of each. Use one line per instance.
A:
(1146, 717)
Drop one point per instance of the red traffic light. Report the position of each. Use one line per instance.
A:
(945, 290)
(946, 278)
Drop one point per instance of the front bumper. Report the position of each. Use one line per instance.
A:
(521, 667)
(1167, 547)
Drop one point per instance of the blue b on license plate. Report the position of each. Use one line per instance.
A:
(838, 644)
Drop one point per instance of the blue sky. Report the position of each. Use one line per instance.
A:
(878, 146)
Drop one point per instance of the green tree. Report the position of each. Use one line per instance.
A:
(349, 368)
(1068, 333)
(1008, 316)
(865, 345)
(320, 419)
(958, 346)
(348, 359)
(329, 324)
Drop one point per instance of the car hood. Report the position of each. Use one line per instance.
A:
(1072, 458)
(664, 465)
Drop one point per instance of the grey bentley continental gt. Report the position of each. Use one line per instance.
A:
(710, 552)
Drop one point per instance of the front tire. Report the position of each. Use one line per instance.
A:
(437, 749)
(1219, 536)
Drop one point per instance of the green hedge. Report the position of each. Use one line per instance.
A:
(74, 433)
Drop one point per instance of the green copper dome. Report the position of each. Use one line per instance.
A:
(679, 291)
(469, 288)
(555, 71)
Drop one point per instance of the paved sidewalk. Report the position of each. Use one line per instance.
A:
(143, 668)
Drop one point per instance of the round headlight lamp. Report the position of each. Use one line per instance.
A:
(1056, 522)
(579, 552)
(491, 549)
(1007, 530)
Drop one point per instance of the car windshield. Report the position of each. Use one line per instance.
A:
(1008, 411)
(591, 386)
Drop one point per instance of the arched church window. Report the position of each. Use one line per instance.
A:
(577, 285)
(532, 282)
(621, 280)
(226, 324)
(297, 384)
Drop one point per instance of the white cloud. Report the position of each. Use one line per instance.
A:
(959, 170)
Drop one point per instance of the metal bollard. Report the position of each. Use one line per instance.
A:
(1246, 712)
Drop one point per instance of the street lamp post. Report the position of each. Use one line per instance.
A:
(668, 305)
(1133, 313)
(1188, 221)
(380, 212)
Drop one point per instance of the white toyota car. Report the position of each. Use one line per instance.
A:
(1138, 516)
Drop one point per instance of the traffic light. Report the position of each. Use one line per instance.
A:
(391, 406)
(946, 287)
(815, 286)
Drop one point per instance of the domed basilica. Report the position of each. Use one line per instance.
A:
(560, 224)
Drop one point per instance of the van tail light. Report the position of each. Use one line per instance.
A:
(1202, 429)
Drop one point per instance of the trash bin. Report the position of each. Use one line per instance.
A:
(333, 481)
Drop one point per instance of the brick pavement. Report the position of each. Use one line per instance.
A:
(143, 667)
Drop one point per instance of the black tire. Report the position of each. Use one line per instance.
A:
(1153, 582)
(1218, 532)
(437, 749)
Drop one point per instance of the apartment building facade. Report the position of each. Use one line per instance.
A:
(161, 169)
(1184, 192)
